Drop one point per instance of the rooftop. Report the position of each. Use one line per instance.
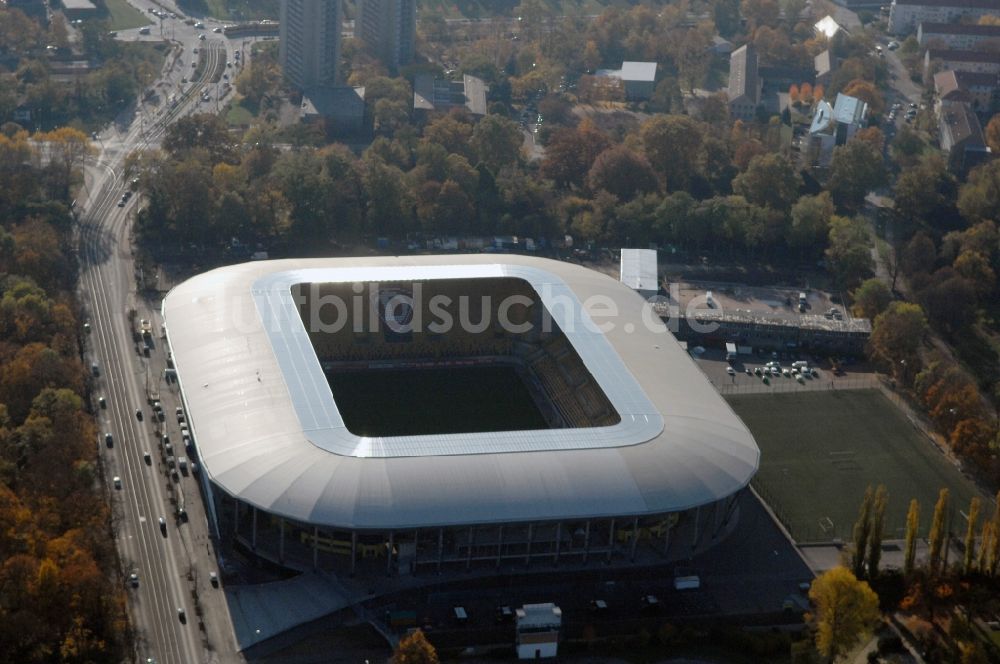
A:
(269, 431)
(828, 27)
(961, 4)
(743, 79)
(338, 102)
(639, 269)
(960, 29)
(955, 55)
(959, 125)
(439, 94)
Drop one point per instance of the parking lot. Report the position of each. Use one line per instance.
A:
(850, 374)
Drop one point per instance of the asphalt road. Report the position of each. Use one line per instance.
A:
(172, 563)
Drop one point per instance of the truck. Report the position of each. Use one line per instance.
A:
(730, 352)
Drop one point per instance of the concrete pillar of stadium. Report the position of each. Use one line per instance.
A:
(555, 560)
(611, 541)
(499, 546)
(315, 547)
(586, 542)
(440, 548)
(354, 551)
(468, 549)
(527, 553)
(281, 541)
(697, 524)
(388, 555)
(635, 538)
(253, 532)
(666, 538)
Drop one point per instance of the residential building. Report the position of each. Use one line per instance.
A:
(982, 62)
(957, 36)
(439, 94)
(980, 91)
(744, 83)
(341, 109)
(310, 42)
(79, 9)
(961, 136)
(825, 64)
(828, 27)
(721, 46)
(835, 125)
(538, 630)
(906, 15)
(638, 79)
(388, 28)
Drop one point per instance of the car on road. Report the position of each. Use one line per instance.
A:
(108, 440)
(213, 578)
(163, 526)
(138, 414)
(893, 45)
(730, 371)
(181, 615)
(118, 482)
(133, 579)
(147, 458)
(102, 403)
(94, 369)
(199, 25)
(201, 37)
(217, 31)
(143, 31)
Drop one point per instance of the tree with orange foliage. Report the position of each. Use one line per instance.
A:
(415, 649)
(993, 134)
(866, 92)
(793, 93)
(806, 93)
(818, 92)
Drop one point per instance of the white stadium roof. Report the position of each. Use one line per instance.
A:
(269, 433)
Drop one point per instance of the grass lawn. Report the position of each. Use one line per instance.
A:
(238, 115)
(242, 9)
(820, 450)
(123, 16)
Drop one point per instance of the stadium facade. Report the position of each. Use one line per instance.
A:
(627, 443)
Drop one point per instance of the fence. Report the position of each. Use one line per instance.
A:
(781, 384)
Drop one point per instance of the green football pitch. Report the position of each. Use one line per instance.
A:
(821, 449)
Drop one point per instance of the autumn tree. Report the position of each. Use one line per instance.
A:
(496, 141)
(793, 93)
(871, 298)
(672, 144)
(769, 181)
(415, 649)
(862, 530)
(867, 92)
(969, 557)
(897, 334)
(623, 173)
(912, 530)
(979, 197)
(938, 534)
(855, 169)
(993, 134)
(845, 611)
(570, 153)
(877, 530)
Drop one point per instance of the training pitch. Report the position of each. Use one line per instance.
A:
(820, 450)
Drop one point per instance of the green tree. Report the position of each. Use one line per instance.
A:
(810, 227)
(727, 17)
(848, 255)
(769, 181)
(871, 298)
(912, 530)
(969, 558)
(925, 195)
(856, 169)
(846, 611)
(938, 534)
(979, 197)
(415, 649)
(877, 530)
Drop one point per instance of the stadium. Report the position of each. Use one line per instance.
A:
(404, 414)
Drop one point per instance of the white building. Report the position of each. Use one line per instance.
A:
(906, 15)
(638, 79)
(638, 271)
(835, 125)
(958, 36)
(538, 630)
